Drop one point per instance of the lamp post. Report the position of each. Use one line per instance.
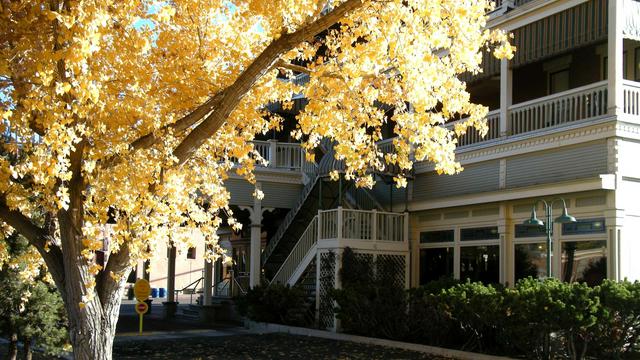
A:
(548, 225)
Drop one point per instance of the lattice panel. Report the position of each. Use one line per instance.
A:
(327, 282)
(391, 269)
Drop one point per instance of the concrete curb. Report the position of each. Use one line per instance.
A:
(262, 328)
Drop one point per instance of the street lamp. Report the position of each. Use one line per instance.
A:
(548, 225)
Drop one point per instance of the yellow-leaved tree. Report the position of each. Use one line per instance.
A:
(134, 112)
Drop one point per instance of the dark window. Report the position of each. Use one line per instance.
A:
(191, 253)
(586, 226)
(584, 261)
(480, 263)
(435, 264)
(483, 233)
(524, 231)
(530, 260)
(559, 81)
(436, 236)
(636, 64)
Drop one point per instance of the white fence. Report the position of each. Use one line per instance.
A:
(568, 106)
(362, 225)
(281, 155)
(631, 94)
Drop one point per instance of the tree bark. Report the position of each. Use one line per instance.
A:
(28, 354)
(13, 347)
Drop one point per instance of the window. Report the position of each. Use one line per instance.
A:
(480, 263)
(559, 81)
(584, 261)
(525, 231)
(436, 236)
(530, 260)
(584, 226)
(435, 264)
(191, 253)
(467, 254)
(483, 233)
(636, 64)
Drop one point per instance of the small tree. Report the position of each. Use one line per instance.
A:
(31, 310)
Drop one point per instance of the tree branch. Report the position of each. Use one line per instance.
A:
(285, 65)
(260, 66)
(37, 237)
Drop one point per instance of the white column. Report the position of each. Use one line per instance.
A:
(272, 152)
(171, 274)
(614, 54)
(256, 243)
(208, 283)
(506, 98)
(614, 219)
(505, 229)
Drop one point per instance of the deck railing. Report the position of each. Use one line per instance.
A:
(308, 239)
(472, 136)
(362, 225)
(568, 106)
(281, 155)
(631, 94)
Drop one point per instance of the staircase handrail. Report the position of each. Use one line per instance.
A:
(308, 238)
(268, 250)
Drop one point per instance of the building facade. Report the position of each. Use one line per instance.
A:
(564, 122)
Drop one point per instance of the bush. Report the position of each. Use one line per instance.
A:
(535, 319)
(276, 303)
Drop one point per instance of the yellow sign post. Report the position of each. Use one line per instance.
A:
(142, 290)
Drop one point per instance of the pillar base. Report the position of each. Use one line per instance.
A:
(169, 309)
(208, 313)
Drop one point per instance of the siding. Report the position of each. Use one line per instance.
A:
(475, 178)
(277, 195)
(575, 162)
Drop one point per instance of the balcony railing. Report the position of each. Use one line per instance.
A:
(282, 155)
(553, 111)
(568, 106)
(472, 136)
(362, 225)
(631, 94)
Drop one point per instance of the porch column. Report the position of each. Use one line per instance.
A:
(617, 263)
(171, 275)
(208, 283)
(506, 98)
(256, 241)
(614, 55)
(170, 306)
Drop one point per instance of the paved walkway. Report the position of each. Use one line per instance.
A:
(230, 344)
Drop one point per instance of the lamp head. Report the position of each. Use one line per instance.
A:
(565, 218)
(533, 221)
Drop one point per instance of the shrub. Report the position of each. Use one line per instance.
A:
(280, 304)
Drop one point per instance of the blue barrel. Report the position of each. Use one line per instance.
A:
(162, 293)
(154, 292)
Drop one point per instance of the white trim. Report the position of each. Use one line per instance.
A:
(531, 12)
(602, 182)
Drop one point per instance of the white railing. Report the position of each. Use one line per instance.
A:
(386, 146)
(281, 155)
(631, 94)
(289, 156)
(390, 226)
(472, 136)
(568, 106)
(263, 148)
(362, 225)
(308, 239)
(328, 224)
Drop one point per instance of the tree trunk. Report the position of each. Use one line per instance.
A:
(28, 354)
(13, 347)
(92, 328)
